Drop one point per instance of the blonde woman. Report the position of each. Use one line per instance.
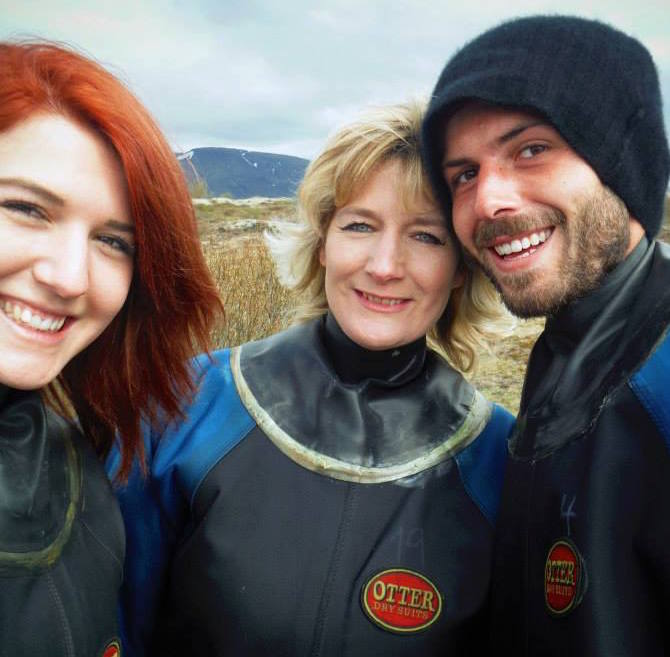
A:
(334, 487)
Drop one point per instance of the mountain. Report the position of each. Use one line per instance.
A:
(241, 174)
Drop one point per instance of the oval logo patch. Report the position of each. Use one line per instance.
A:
(113, 649)
(563, 577)
(401, 600)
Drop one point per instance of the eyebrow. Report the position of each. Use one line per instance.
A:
(120, 225)
(427, 219)
(516, 131)
(499, 141)
(359, 211)
(54, 199)
(36, 189)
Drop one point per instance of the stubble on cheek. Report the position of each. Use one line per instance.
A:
(522, 292)
(594, 242)
(519, 291)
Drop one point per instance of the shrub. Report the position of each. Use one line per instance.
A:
(256, 305)
(198, 188)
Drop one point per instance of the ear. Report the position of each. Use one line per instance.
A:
(459, 277)
(636, 231)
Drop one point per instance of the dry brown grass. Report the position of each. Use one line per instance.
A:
(220, 219)
(500, 374)
(664, 235)
(255, 303)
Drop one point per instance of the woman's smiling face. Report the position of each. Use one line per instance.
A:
(66, 245)
(389, 270)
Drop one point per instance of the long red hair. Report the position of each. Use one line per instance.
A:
(139, 366)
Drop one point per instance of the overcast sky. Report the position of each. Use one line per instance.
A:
(280, 75)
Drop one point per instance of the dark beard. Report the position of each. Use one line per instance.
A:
(596, 242)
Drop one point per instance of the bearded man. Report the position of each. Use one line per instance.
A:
(545, 142)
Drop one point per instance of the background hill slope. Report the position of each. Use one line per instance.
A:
(243, 174)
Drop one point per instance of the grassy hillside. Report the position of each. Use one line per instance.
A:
(256, 305)
(220, 220)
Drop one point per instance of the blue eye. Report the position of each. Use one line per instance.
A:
(358, 227)
(429, 238)
(117, 243)
(24, 208)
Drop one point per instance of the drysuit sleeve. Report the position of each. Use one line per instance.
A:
(651, 385)
(156, 507)
(482, 463)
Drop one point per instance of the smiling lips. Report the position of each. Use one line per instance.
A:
(382, 301)
(522, 246)
(38, 321)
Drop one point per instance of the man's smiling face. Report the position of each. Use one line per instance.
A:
(529, 210)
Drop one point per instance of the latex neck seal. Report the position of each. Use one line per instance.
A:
(372, 431)
(591, 348)
(39, 482)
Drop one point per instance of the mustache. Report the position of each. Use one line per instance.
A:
(488, 231)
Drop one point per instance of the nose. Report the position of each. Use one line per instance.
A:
(386, 259)
(63, 267)
(497, 193)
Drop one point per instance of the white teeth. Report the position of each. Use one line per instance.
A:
(517, 246)
(26, 316)
(382, 300)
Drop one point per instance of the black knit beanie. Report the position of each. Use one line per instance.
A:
(597, 86)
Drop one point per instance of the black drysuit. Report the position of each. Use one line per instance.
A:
(61, 538)
(292, 513)
(582, 557)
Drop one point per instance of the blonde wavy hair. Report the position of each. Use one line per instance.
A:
(474, 314)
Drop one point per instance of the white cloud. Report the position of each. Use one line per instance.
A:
(660, 50)
(269, 74)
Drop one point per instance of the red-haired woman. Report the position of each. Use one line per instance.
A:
(104, 296)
